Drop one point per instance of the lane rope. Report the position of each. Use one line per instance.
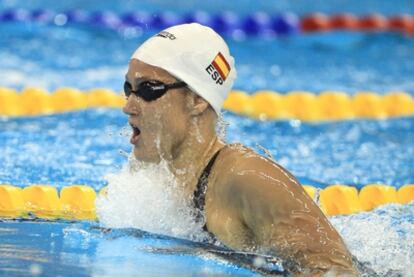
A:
(226, 23)
(78, 201)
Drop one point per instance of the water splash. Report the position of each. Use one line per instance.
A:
(221, 126)
(383, 238)
(148, 197)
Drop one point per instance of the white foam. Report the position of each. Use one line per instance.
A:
(384, 237)
(148, 197)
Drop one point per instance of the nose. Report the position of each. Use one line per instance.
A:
(132, 106)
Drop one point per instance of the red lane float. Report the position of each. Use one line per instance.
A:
(402, 23)
(344, 21)
(373, 22)
(318, 22)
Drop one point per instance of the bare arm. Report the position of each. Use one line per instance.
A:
(283, 220)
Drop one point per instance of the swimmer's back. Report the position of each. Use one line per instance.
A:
(254, 204)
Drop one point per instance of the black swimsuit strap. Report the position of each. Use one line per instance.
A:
(199, 198)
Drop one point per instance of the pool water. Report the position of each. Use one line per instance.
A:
(85, 249)
(84, 147)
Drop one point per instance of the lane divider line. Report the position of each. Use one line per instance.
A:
(78, 201)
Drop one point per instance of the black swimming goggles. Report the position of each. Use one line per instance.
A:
(151, 90)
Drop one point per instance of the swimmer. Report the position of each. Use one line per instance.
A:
(175, 86)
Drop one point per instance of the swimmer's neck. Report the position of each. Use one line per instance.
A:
(194, 153)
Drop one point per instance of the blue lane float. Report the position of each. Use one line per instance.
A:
(225, 22)
(77, 16)
(18, 15)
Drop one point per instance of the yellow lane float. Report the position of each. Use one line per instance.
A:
(372, 196)
(239, 102)
(11, 201)
(42, 201)
(398, 104)
(311, 191)
(368, 105)
(69, 99)
(335, 105)
(35, 101)
(101, 97)
(406, 194)
(339, 200)
(268, 105)
(9, 102)
(78, 202)
(303, 105)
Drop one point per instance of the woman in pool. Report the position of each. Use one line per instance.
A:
(175, 86)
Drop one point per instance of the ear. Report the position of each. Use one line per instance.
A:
(199, 105)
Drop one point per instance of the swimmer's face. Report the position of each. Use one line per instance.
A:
(159, 126)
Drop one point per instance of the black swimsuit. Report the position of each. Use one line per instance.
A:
(199, 198)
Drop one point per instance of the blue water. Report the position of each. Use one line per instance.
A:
(84, 249)
(83, 147)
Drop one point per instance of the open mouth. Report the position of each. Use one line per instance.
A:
(135, 134)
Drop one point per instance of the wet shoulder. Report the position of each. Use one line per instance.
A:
(238, 161)
(234, 157)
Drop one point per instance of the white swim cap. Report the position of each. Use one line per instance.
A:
(195, 54)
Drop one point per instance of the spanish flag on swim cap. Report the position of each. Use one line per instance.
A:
(221, 65)
(195, 54)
